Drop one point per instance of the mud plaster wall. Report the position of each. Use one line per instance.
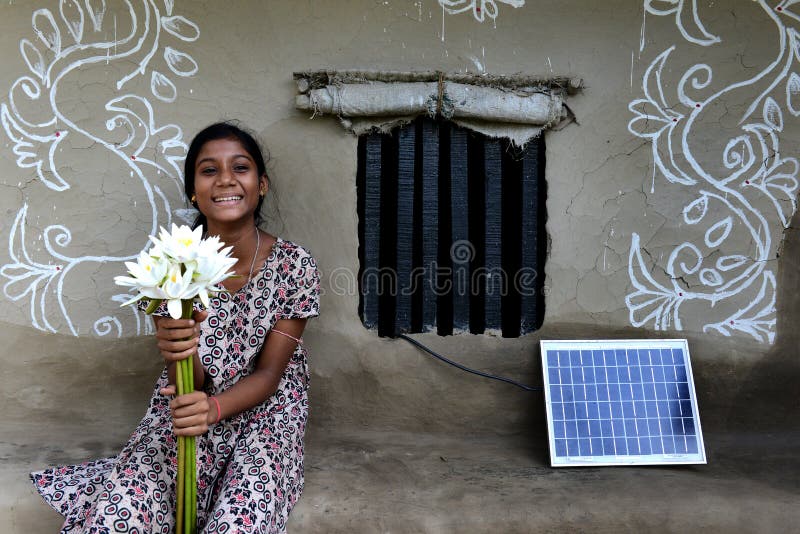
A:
(603, 196)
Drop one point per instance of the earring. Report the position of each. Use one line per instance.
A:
(194, 199)
(262, 193)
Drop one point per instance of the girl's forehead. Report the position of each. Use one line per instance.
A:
(222, 148)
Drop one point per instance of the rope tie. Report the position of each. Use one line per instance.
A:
(440, 95)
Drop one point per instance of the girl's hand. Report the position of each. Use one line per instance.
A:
(179, 338)
(189, 412)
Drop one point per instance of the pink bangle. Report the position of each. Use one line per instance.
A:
(299, 341)
(219, 411)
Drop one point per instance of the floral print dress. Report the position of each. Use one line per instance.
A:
(250, 466)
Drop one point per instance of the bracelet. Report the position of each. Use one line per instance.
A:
(299, 341)
(219, 411)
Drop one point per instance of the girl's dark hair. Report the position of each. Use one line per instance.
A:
(221, 130)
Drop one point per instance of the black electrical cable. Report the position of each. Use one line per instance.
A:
(467, 369)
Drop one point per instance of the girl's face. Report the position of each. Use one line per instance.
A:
(226, 182)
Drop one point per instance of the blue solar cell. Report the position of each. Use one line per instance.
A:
(691, 445)
(555, 394)
(559, 429)
(605, 410)
(571, 429)
(606, 429)
(561, 447)
(635, 374)
(554, 376)
(688, 426)
(653, 428)
(552, 359)
(677, 357)
(594, 428)
(577, 375)
(575, 358)
(597, 358)
(563, 358)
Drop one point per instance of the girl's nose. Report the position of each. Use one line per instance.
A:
(225, 175)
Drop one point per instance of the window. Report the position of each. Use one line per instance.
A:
(451, 231)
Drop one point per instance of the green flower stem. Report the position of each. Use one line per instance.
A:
(181, 461)
(187, 471)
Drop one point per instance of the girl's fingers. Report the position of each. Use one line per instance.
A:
(197, 430)
(177, 346)
(168, 391)
(176, 334)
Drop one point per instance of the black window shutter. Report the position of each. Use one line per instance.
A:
(451, 231)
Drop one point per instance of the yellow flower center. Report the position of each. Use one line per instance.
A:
(185, 242)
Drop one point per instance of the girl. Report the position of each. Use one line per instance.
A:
(250, 409)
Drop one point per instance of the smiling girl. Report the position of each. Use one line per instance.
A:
(250, 408)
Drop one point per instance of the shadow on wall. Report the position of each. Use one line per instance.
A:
(767, 401)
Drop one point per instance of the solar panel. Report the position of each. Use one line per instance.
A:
(621, 402)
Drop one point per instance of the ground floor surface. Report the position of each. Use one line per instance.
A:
(366, 481)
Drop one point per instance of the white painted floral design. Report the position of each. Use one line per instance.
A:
(72, 40)
(752, 192)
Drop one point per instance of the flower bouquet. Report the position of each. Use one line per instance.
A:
(180, 268)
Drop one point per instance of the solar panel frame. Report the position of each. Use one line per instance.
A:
(602, 420)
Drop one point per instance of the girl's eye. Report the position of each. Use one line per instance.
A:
(208, 170)
(241, 168)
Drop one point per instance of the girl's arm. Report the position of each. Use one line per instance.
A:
(193, 413)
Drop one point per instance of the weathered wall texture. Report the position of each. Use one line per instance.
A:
(668, 199)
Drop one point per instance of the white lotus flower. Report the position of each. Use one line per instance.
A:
(178, 287)
(211, 270)
(182, 245)
(179, 266)
(147, 275)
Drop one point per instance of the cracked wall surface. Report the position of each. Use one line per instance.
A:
(618, 191)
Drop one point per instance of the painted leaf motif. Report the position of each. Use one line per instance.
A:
(181, 27)
(728, 263)
(179, 62)
(719, 232)
(710, 277)
(96, 10)
(772, 114)
(168, 5)
(46, 29)
(72, 15)
(33, 58)
(792, 94)
(694, 212)
(162, 87)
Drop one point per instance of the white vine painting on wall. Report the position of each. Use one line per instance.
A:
(480, 8)
(74, 42)
(739, 201)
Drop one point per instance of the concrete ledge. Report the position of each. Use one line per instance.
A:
(368, 481)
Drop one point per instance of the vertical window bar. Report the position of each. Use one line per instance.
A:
(461, 251)
(493, 275)
(529, 280)
(430, 217)
(405, 227)
(372, 231)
